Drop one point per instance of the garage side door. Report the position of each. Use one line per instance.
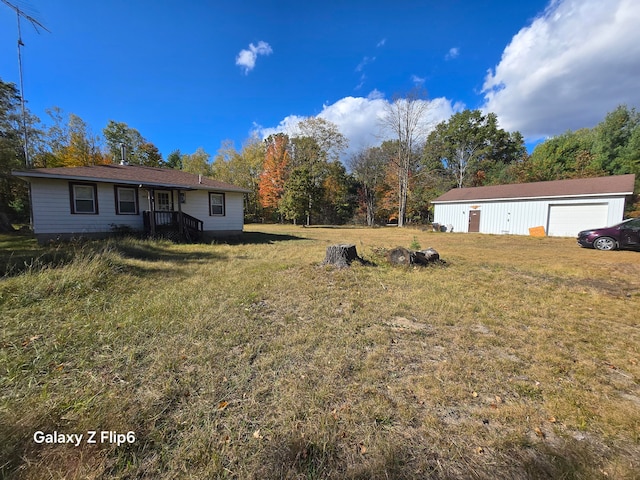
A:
(568, 220)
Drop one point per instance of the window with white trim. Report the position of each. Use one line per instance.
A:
(126, 201)
(216, 204)
(84, 198)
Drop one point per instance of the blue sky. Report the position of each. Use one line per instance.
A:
(192, 73)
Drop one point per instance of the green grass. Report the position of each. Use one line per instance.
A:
(517, 358)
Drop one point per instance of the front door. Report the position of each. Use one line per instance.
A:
(163, 201)
(163, 204)
(474, 221)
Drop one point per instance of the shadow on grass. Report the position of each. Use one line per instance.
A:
(333, 227)
(17, 445)
(329, 458)
(21, 253)
(259, 238)
(16, 249)
(158, 252)
(303, 458)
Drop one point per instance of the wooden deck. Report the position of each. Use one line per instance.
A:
(172, 224)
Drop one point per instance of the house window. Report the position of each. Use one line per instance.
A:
(126, 201)
(216, 203)
(84, 198)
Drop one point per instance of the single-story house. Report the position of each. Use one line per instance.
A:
(561, 207)
(95, 201)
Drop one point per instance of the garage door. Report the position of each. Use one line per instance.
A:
(568, 220)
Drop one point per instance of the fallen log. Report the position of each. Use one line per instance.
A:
(425, 257)
(403, 256)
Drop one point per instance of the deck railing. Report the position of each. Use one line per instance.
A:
(177, 222)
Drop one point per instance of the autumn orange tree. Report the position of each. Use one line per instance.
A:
(274, 171)
(387, 192)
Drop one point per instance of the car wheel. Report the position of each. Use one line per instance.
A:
(605, 243)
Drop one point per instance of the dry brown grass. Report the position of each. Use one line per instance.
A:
(518, 359)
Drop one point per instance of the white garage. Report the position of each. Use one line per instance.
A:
(562, 208)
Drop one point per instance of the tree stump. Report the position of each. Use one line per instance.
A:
(341, 255)
(399, 256)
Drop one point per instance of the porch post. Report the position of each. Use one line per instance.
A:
(180, 222)
(152, 212)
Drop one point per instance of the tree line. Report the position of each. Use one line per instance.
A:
(305, 178)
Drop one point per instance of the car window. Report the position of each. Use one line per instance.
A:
(633, 224)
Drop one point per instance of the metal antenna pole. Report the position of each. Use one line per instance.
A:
(24, 110)
(35, 24)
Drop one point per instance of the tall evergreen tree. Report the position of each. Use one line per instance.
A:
(14, 198)
(174, 160)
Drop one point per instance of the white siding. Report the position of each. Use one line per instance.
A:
(51, 205)
(453, 214)
(197, 205)
(517, 216)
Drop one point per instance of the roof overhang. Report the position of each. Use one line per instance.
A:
(546, 197)
(26, 175)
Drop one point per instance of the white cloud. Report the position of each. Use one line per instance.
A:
(575, 63)
(359, 119)
(365, 61)
(381, 43)
(375, 94)
(418, 80)
(363, 78)
(247, 58)
(453, 52)
(288, 125)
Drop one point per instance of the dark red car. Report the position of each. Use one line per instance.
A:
(622, 235)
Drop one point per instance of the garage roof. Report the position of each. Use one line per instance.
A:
(598, 186)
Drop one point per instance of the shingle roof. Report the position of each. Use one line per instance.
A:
(617, 184)
(132, 174)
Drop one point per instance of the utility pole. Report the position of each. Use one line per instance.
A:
(36, 24)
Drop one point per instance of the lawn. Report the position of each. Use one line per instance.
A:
(518, 358)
